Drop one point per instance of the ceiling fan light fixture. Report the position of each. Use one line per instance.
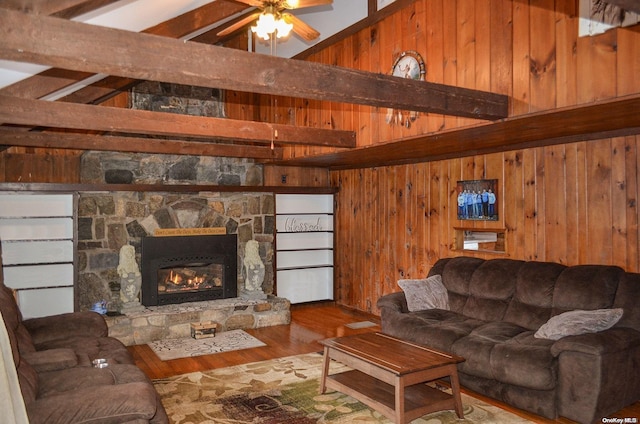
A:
(270, 22)
(265, 26)
(283, 28)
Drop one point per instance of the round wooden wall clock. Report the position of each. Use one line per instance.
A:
(409, 64)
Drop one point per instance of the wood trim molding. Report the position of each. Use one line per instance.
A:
(161, 188)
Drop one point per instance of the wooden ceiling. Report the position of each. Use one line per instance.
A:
(39, 31)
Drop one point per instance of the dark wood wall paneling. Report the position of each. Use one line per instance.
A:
(573, 203)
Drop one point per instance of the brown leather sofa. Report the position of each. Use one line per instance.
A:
(495, 308)
(53, 358)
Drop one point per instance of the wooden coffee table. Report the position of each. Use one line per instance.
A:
(388, 375)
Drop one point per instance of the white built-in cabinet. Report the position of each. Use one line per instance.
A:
(304, 247)
(37, 233)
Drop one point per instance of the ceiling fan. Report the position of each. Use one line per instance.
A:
(274, 20)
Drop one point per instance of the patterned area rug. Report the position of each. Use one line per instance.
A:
(224, 341)
(285, 391)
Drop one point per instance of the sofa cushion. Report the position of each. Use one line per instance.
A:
(586, 287)
(423, 294)
(532, 301)
(456, 275)
(89, 348)
(525, 361)
(52, 359)
(574, 323)
(490, 290)
(437, 328)
(477, 347)
(84, 378)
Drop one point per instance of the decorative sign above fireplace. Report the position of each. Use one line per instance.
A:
(188, 269)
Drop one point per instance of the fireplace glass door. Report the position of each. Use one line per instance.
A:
(183, 269)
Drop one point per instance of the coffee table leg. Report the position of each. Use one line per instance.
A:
(399, 401)
(455, 391)
(325, 370)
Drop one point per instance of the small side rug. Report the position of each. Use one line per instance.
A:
(361, 324)
(224, 341)
(285, 391)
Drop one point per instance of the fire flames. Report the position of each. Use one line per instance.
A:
(189, 279)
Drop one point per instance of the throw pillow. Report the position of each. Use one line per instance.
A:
(573, 323)
(424, 294)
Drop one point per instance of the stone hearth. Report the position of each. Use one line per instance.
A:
(174, 321)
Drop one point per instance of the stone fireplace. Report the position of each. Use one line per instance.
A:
(109, 220)
(193, 268)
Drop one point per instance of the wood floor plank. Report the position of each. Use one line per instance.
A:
(309, 324)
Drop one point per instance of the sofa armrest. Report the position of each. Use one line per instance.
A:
(61, 326)
(394, 302)
(51, 359)
(596, 373)
(131, 402)
(609, 341)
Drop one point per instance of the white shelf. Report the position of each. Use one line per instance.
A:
(304, 247)
(37, 233)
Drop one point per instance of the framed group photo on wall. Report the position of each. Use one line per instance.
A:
(478, 200)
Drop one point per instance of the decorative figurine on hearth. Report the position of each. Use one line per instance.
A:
(130, 279)
(253, 270)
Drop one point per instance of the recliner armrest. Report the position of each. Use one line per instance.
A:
(612, 340)
(61, 326)
(51, 359)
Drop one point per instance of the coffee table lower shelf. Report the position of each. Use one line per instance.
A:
(420, 399)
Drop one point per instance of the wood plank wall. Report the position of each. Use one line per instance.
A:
(574, 203)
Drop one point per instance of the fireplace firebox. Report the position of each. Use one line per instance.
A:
(188, 269)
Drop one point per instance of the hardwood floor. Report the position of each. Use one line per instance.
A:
(309, 323)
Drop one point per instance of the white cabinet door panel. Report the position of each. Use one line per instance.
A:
(37, 252)
(43, 205)
(32, 276)
(36, 229)
(306, 285)
(304, 203)
(45, 302)
(293, 241)
(304, 258)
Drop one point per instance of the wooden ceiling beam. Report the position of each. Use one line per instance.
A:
(88, 48)
(14, 110)
(63, 140)
(593, 121)
(53, 80)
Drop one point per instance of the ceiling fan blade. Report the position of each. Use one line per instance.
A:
(301, 28)
(254, 3)
(242, 22)
(299, 4)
